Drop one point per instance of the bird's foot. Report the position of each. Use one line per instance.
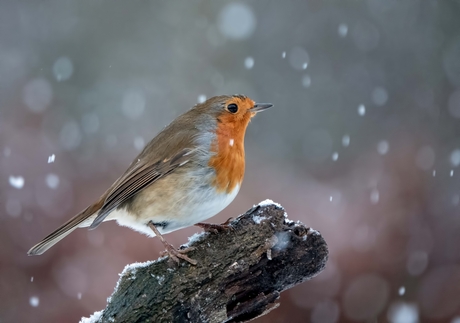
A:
(216, 228)
(175, 254)
(172, 252)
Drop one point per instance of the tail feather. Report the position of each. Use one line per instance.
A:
(80, 220)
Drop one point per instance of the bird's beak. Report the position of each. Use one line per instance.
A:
(261, 107)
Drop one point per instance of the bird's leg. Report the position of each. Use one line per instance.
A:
(216, 228)
(173, 253)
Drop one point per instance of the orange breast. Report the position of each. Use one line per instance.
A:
(228, 149)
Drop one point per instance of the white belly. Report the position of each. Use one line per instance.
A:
(199, 206)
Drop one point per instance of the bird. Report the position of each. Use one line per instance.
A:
(187, 173)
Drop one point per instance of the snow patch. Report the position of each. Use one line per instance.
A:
(93, 318)
(195, 238)
(160, 279)
(269, 202)
(283, 240)
(313, 231)
(286, 220)
(257, 219)
(132, 268)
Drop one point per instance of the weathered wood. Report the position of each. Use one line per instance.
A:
(239, 276)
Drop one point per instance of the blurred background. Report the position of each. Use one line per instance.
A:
(363, 143)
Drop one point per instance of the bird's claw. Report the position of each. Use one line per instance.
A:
(175, 254)
(216, 228)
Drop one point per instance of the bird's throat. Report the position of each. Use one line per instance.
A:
(228, 155)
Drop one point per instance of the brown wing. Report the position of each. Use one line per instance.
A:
(137, 178)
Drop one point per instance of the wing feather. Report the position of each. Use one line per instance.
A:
(140, 176)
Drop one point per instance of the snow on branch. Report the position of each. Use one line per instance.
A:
(239, 276)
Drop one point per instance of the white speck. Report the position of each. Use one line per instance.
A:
(134, 102)
(335, 156)
(37, 95)
(62, 69)
(269, 254)
(201, 98)
(159, 278)
(346, 140)
(425, 158)
(401, 312)
(402, 290)
(6, 151)
(268, 202)
(299, 58)
(79, 295)
(306, 81)
(379, 96)
(257, 219)
(335, 196)
(34, 301)
(451, 172)
(361, 110)
(16, 181)
(375, 196)
(70, 136)
(249, 62)
(139, 143)
(52, 180)
(383, 147)
(283, 54)
(236, 21)
(51, 159)
(232, 141)
(93, 318)
(455, 157)
(342, 30)
(31, 279)
(434, 172)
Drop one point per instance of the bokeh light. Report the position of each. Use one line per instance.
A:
(363, 143)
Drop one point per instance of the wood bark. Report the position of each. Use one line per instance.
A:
(240, 273)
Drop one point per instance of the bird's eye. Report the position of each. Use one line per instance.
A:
(233, 108)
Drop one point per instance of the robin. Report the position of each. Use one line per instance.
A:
(188, 173)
